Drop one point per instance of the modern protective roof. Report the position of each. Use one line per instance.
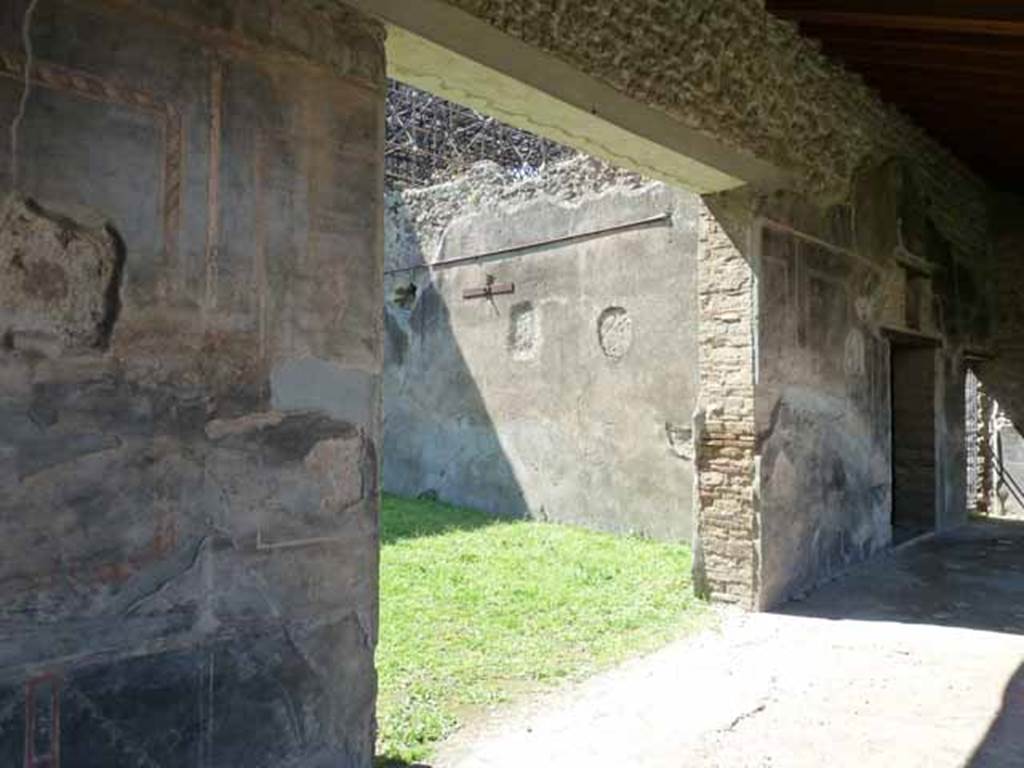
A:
(956, 67)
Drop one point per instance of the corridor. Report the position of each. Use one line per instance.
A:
(916, 659)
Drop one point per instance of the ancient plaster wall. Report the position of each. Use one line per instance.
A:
(833, 285)
(822, 418)
(875, 229)
(570, 399)
(190, 244)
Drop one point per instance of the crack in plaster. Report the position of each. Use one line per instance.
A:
(26, 38)
(167, 582)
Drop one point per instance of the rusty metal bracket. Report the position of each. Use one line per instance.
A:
(489, 291)
(661, 220)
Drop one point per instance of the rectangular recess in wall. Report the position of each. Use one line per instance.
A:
(913, 447)
(42, 723)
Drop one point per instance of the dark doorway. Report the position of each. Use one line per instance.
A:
(913, 438)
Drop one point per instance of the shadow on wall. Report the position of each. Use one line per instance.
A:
(1003, 745)
(444, 407)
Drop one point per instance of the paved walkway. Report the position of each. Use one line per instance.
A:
(916, 660)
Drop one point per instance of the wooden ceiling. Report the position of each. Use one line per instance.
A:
(956, 67)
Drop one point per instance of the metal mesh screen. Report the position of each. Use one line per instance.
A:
(430, 139)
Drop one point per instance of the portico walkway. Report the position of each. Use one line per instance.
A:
(914, 660)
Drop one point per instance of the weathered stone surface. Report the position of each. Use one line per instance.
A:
(810, 394)
(61, 280)
(570, 399)
(1001, 371)
(189, 503)
(727, 552)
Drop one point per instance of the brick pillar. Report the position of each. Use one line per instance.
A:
(979, 446)
(986, 465)
(727, 561)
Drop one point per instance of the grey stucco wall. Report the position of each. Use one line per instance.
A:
(835, 288)
(189, 384)
(571, 399)
(823, 423)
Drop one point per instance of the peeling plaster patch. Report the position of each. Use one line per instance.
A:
(524, 331)
(854, 356)
(615, 332)
(26, 90)
(311, 384)
(59, 280)
(680, 441)
(338, 467)
(418, 218)
(219, 428)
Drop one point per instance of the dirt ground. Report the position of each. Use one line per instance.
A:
(916, 659)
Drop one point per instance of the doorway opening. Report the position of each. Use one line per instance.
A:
(994, 453)
(538, 390)
(913, 371)
(978, 444)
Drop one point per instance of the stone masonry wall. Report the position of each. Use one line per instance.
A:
(731, 69)
(834, 288)
(190, 356)
(879, 230)
(727, 562)
(419, 217)
(1001, 371)
(569, 397)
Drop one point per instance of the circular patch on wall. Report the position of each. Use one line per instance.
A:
(615, 332)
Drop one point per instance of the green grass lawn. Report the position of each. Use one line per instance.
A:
(475, 611)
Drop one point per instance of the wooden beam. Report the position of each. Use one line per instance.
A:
(960, 9)
(974, 26)
(970, 47)
(1007, 117)
(965, 88)
(963, 92)
(868, 61)
(938, 117)
(899, 37)
(880, 76)
(1005, 113)
(957, 58)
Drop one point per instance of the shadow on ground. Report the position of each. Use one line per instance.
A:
(1003, 745)
(388, 762)
(972, 577)
(407, 519)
